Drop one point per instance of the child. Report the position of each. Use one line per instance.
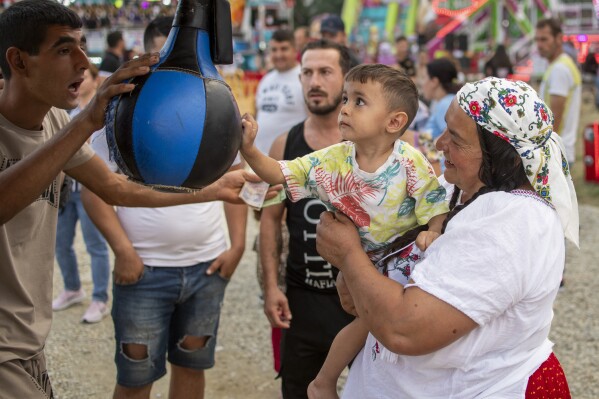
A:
(385, 186)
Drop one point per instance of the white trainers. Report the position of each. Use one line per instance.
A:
(67, 299)
(95, 312)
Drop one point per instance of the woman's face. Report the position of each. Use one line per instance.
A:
(461, 147)
(428, 87)
(89, 84)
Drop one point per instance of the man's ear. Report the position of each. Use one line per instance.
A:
(397, 122)
(15, 59)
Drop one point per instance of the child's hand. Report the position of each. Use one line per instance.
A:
(322, 390)
(425, 239)
(250, 130)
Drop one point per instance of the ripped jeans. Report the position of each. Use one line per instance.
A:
(166, 305)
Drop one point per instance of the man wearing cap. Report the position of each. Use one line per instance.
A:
(332, 28)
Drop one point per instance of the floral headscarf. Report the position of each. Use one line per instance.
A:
(513, 111)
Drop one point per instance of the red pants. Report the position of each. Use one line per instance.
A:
(548, 382)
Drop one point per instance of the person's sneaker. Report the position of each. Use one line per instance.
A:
(96, 312)
(67, 299)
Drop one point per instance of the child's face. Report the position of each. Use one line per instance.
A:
(364, 114)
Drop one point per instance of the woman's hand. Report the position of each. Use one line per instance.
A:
(425, 239)
(336, 238)
(347, 302)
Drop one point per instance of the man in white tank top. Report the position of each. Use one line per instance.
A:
(172, 266)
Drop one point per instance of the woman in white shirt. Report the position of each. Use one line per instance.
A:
(474, 319)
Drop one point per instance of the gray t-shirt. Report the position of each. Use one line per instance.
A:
(27, 246)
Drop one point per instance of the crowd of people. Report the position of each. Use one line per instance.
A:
(133, 14)
(493, 61)
(393, 175)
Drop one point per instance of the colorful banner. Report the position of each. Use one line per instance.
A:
(237, 8)
(391, 21)
(349, 14)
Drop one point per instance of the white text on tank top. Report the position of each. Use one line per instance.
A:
(327, 268)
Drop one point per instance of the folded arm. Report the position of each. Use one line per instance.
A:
(410, 321)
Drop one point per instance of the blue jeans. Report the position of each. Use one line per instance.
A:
(159, 311)
(94, 241)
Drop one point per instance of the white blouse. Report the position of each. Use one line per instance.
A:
(500, 262)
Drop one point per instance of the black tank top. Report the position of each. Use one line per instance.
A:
(305, 267)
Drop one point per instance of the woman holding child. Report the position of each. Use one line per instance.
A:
(474, 319)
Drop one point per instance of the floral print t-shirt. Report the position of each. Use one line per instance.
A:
(402, 194)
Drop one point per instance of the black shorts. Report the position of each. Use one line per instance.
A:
(317, 318)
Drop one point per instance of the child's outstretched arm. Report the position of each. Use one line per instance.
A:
(426, 238)
(267, 168)
(345, 347)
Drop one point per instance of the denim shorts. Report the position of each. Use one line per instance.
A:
(159, 311)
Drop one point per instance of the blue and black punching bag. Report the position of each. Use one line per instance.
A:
(180, 127)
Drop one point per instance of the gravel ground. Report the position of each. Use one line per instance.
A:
(80, 357)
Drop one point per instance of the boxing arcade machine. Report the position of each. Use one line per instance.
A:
(180, 128)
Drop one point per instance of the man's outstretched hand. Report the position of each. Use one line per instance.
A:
(228, 187)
